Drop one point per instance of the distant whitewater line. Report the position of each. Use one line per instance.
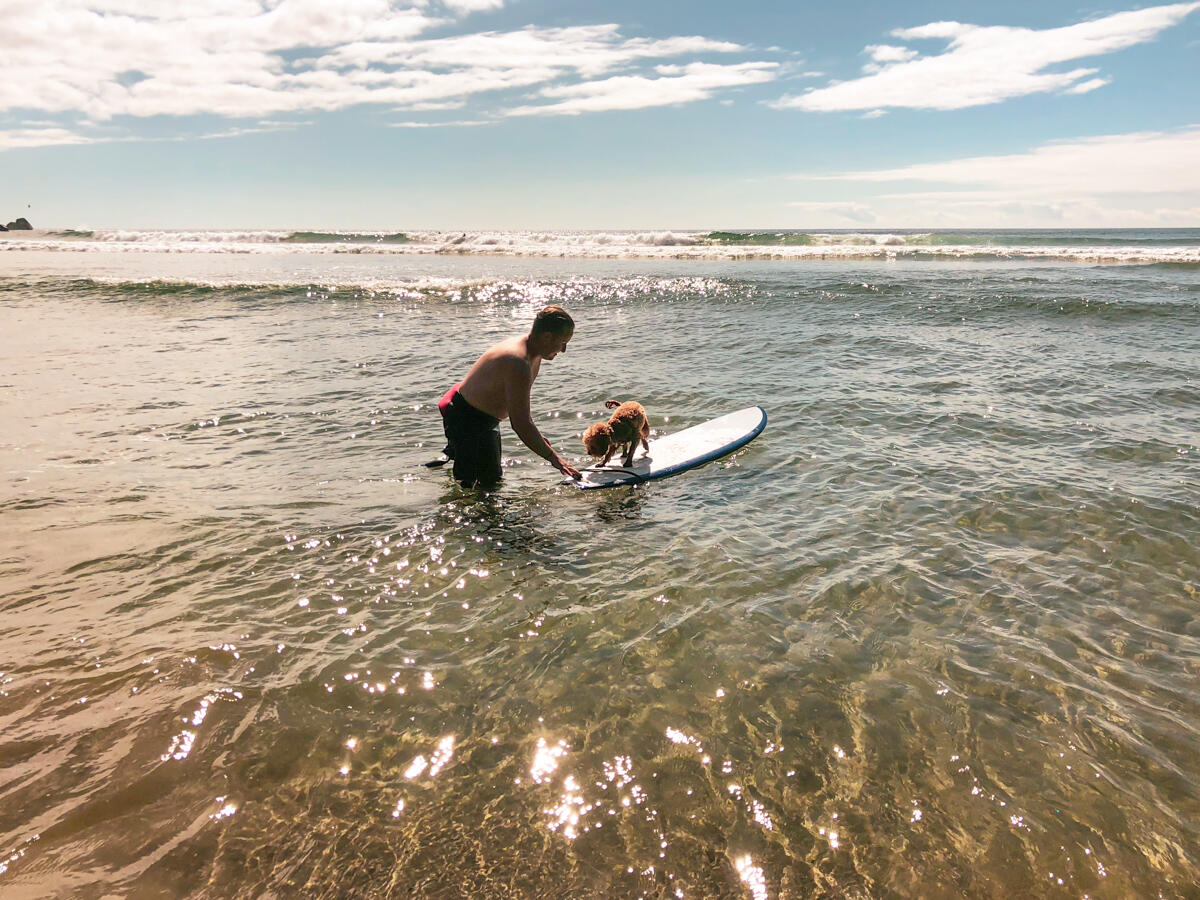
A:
(1072, 245)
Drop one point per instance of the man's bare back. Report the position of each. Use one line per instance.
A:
(487, 384)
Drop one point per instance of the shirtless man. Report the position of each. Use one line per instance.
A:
(497, 387)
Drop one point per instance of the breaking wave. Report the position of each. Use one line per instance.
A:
(335, 237)
(1113, 246)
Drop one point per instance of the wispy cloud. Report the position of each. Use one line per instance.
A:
(534, 53)
(108, 61)
(465, 7)
(1144, 178)
(260, 128)
(674, 85)
(1139, 163)
(49, 134)
(52, 136)
(986, 64)
(456, 123)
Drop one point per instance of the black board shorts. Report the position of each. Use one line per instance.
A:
(472, 441)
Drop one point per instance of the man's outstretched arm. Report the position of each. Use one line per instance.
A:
(518, 384)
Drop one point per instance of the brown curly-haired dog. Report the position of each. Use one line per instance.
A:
(626, 428)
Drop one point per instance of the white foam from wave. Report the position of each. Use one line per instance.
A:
(584, 244)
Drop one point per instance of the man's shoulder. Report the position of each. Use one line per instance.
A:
(505, 361)
(510, 353)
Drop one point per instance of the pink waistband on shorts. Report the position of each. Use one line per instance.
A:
(447, 399)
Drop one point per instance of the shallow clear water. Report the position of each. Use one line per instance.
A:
(934, 633)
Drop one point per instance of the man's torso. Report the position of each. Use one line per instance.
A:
(486, 384)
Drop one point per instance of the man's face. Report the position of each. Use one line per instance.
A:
(558, 344)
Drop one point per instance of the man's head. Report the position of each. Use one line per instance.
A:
(552, 329)
(553, 319)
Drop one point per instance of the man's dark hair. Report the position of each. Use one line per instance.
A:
(553, 320)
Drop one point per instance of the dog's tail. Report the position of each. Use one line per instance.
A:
(612, 404)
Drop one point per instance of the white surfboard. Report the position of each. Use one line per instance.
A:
(681, 451)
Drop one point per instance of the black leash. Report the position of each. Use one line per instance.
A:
(638, 477)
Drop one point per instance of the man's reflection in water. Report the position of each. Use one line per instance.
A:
(507, 524)
(622, 503)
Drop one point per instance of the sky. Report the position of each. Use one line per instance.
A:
(549, 114)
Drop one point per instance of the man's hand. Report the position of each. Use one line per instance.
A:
(569, 470)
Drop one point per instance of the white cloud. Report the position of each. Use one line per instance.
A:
(438, 105)
(1139, 163)
(260, 128)
(885, 54)
(103, 60)
(15, 138)
(46, 134)
(1086, 87)
(466, 7)
(1140, 179)
(590, 50)
(676, 84)
(458, 123)
(986, 64)
(220, 56)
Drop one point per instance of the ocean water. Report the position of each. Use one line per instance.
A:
(935, 633)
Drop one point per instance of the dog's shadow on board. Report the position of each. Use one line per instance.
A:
(639, 464)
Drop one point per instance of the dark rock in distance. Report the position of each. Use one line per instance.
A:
(2, 228)
(19, 225)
